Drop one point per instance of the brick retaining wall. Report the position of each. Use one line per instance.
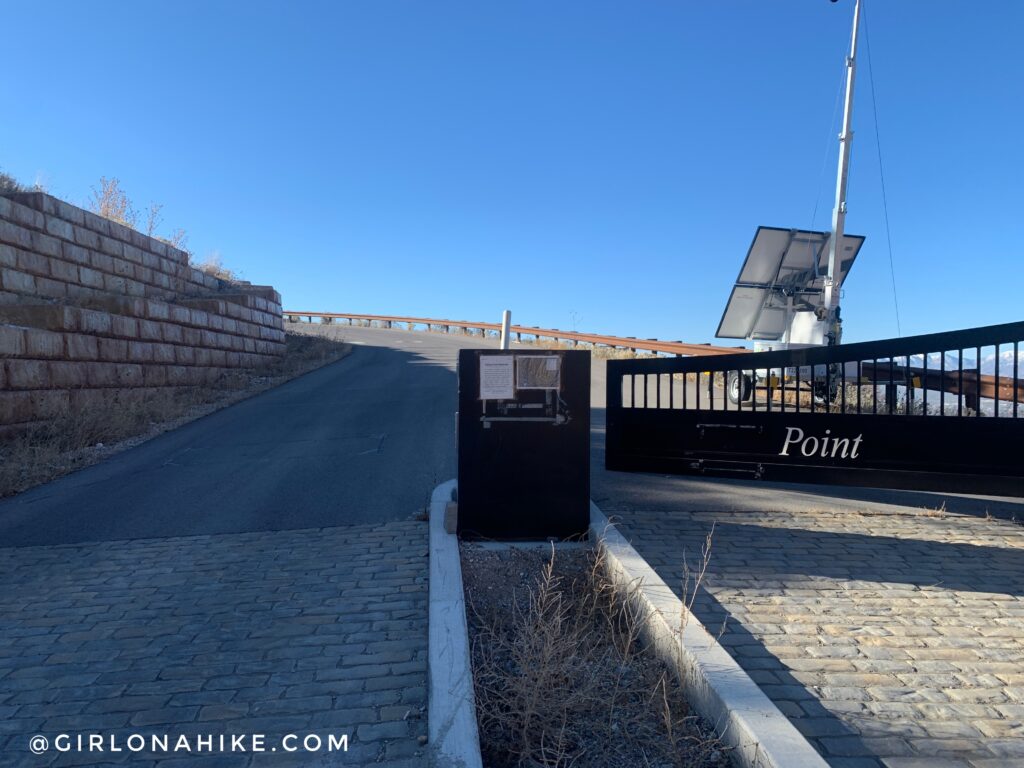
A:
(90, 310)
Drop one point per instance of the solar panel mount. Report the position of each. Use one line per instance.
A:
(783, 274)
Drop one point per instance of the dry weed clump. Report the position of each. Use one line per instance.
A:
(50, 449)
(110, 201)
(596, 350)
(561, 675)
(45, 451)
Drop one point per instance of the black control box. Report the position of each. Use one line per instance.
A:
(523, 444)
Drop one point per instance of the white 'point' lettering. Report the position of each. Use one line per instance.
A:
(790, 439)
(856, 446)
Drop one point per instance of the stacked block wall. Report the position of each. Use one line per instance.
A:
(90, 309)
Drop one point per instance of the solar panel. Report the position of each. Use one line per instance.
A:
(781, 264)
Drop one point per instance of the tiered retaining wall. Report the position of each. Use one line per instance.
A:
(91, 310)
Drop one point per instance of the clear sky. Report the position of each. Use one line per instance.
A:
(603, 164)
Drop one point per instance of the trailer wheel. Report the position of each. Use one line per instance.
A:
(739, 387)
(825, 392)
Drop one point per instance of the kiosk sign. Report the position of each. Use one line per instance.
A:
(524, 444)
(497, 378)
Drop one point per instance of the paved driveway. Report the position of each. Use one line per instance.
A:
(890, 636)
(301, 632)
(361, 441)
(260, 571)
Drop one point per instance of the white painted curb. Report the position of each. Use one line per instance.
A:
(757, 732)
(451, 709)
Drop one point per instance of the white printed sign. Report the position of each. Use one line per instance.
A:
(496, 377)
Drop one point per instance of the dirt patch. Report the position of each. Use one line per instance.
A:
(560, 674)
(76, 440)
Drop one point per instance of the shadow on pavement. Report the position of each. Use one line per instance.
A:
(362, 440)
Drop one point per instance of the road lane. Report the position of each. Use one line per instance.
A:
(363, 440)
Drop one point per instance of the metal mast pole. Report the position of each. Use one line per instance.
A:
(839, 213)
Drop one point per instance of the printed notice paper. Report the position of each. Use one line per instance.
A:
(496, 377)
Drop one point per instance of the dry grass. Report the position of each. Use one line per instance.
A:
(597, 351)
(214, 266)
(11, 186)
(939, 511)
(561, 674)
(75, 440)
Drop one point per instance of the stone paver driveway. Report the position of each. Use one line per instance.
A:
(296, 632)
(890, 638)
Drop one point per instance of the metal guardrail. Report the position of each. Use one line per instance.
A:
(677, 348)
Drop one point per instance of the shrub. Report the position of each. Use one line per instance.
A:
(10, 185)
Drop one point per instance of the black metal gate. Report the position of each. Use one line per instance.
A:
(939, 412)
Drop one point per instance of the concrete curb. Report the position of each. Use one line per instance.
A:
(451, 709)
(757, 732)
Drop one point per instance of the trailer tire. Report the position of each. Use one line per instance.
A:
(825, 392)
(739, 387)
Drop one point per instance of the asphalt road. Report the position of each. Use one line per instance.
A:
(363, 440)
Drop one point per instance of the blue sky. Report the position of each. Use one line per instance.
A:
(591, 162)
